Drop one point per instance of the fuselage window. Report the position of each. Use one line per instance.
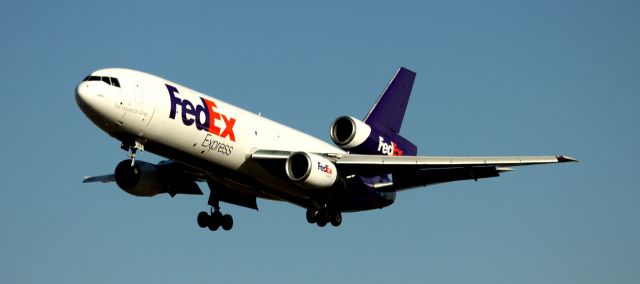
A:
(109, 80)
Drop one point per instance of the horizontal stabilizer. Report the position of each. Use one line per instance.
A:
(103, 179)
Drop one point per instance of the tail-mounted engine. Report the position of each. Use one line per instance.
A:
(348, 132)
(311, 170)
(355, 136)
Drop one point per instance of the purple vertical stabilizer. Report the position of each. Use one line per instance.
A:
(381, 125)
(387, 113)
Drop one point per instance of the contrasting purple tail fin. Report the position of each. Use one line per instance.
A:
(388, 111)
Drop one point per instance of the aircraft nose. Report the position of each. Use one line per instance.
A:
(81, 94)
(90, 99)
(85, 96)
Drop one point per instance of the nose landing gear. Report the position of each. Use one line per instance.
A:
(133, 147)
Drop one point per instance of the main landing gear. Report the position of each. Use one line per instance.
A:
(323, 216)
(215, 220)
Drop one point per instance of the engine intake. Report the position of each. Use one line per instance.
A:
(311, 170)
(141, 179)
(349, 132)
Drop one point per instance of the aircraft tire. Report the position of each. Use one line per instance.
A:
(203, 219)
(336, 219)
(312, 216)
(227, 222)
(215, 220)
(322, 218)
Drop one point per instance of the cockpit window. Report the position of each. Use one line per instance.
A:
(109, 80)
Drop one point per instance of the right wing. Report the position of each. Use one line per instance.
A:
(414, 171)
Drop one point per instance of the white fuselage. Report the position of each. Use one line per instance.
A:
(243, 156)
(153, 110)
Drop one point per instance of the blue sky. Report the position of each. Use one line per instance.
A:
(494, 78)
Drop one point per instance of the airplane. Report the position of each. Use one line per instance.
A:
(243, 156)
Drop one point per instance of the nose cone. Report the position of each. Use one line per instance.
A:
(83, 95)
(92, 101)
(90, 98)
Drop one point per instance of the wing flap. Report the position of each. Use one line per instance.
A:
(423, 177)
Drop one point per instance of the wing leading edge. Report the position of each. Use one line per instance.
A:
(384, 163)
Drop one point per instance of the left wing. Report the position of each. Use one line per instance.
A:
(176, 178)
(413, 171)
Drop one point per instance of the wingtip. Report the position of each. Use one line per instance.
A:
(564, 159)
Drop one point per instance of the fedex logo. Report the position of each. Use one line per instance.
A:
(390, 149)
(324, 168)
(203, 115)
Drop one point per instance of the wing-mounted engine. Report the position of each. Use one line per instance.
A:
(356, 136)
(146, 179)
(311, 170)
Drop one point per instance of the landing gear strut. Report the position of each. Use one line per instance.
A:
(215, 220)
(323, 216)
(133, 147)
